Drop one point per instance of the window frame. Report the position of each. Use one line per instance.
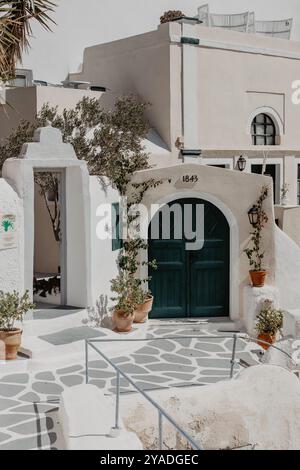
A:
(267, 122)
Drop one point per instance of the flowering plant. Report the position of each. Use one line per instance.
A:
(269, 319)
(255, 254)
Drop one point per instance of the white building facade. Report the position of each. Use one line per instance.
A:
(215, 96)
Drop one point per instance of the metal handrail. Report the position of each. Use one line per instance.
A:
(161, 413)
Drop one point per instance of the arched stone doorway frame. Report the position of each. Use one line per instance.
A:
(234, 255)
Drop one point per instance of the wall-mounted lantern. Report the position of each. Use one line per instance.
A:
(253, 215)
(241, 163)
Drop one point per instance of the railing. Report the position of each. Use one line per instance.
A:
(162, 413)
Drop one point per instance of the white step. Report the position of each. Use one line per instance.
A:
(87, 417)
(291, 323)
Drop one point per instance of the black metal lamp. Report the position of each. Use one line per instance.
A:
(253, 215)
(241, 163)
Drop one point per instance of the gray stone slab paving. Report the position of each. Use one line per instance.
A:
(31, 427)
(16, 378)
(7, 390)
(4, 436)
(47, 388)
(71, 380)
(6, 403)
(28, 401)
(45, 376)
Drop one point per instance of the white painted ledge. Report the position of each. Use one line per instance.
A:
(87, 417)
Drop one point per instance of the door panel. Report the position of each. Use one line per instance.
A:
(168, 281)
(192, 283)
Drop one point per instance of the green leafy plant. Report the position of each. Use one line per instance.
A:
(269, 320)
(255, 253)
(110, 141)
(15, 29)
(13, 307)
(171, 15)
(123, 287)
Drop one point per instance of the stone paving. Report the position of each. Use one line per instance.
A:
(29, 401)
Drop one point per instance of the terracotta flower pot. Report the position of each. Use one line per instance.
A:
(12, 342)
(142, 311)
(122, 322)
(268, 337)
(258, 278)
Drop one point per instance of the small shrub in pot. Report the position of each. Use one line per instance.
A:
(13, 307)
(269, 323)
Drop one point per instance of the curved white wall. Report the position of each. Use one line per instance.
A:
(287, 273)
(81, 24)
(11, 260)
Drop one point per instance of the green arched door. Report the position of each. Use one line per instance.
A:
(191, 283)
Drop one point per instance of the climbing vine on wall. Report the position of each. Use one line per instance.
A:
(255, 252)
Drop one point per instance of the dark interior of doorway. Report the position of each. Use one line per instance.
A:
(270, 171)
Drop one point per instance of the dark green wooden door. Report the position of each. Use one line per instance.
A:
(191, 283)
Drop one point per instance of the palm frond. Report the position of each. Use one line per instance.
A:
(15, 29)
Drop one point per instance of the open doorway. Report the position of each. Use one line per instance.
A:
(49, 272)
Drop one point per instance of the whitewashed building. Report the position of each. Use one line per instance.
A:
(215, 95)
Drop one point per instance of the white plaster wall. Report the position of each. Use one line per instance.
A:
(234, 193)
(103, 259)
(289, 221)
(138, 65)
(53, 56)
(11, 261)
(287, 273)
(77, 246)
(49, 152)
(25, 103)
(226, 80)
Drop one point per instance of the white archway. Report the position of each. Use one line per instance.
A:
(234, 295)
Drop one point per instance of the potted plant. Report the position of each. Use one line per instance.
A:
(128, 263)
(123, 310)
(269, 323)
(171, 15)
(13, 307)
(143, 301)
(255, 254)
(284, 192)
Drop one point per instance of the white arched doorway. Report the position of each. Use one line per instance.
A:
(233, 242)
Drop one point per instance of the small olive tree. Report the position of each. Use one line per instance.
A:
(110, 141)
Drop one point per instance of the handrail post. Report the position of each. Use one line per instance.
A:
(232, 362)
(160, 431)
(86, 362)
(117, 412)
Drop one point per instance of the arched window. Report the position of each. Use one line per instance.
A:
(263, 130)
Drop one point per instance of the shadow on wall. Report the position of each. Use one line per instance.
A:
(99, 315)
